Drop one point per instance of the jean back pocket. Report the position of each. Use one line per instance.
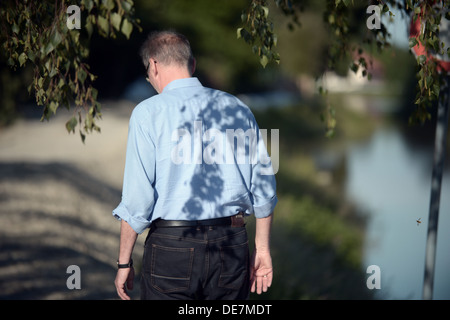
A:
(171, 268)
(234, 268)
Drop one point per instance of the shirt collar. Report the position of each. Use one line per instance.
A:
(182, 83)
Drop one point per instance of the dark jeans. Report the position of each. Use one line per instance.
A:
(199, 263)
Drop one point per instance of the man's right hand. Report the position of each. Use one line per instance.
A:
(124, 280)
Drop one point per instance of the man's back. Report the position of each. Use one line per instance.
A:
(199, 146)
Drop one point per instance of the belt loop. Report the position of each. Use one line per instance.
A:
(238, 220)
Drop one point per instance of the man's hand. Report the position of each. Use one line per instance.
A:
(124, 277)
(261, 272)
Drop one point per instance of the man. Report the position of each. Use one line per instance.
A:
(193, 171)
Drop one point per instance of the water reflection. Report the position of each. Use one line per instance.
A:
(390, 180)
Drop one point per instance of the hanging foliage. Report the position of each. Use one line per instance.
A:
(257, 30)
(53, 37)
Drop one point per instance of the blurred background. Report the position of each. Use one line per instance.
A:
(345, 203)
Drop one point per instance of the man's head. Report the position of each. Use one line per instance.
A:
(164, 50)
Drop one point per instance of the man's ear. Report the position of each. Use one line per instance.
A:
(194, 64)
(153, 66)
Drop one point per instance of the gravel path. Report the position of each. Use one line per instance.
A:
(56, 198)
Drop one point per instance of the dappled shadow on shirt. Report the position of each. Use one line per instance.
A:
(225, 148)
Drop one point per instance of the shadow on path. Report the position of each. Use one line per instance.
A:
(53, 215)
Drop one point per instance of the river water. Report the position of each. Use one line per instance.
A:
(390, 179)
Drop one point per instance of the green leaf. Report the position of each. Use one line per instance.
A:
(109, 4)
(346, 2)
(31, 55)
(15, 28)
(82, 75)
(48, 48)
(22, 58)
(238, 32)
(436, 90)
(246, 36)
(421, 59)
(88, 3)
(420, 82)
(71, 124)
(53, 106)
(412, 42)
(53, 72)
(83, 136)
(266, 11)
(127, 28)
(89, 28)
(116, 19)
(428, 81)
(264, 61)
(10, 62)
(331, 19)
(48, 65)
(40, 82)
(94, 93)
(127, 6)
(56, 38)
(103, 24)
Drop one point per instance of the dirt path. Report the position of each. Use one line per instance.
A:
(56, 198)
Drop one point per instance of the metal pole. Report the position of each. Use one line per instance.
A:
(438, 168)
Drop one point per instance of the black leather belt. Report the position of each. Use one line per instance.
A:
(234, 221)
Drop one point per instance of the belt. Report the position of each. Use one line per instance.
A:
(233, 221)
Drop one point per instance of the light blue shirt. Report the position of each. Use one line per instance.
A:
(194, 153)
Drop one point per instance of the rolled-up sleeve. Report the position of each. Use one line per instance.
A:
(264, 197)
(138, 194)
(263, 183)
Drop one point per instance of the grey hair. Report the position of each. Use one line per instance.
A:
(167, 47)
